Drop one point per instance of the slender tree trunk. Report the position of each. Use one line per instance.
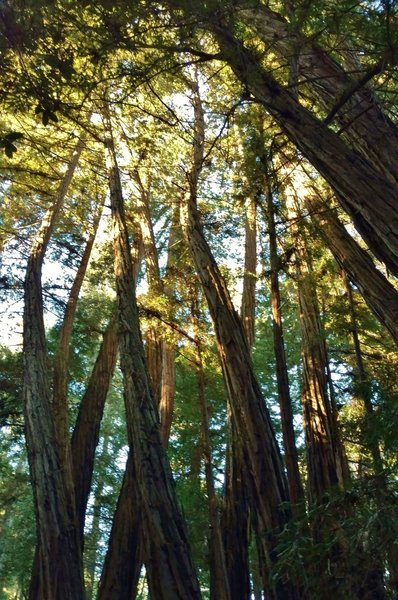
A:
(86, 432)
(61, 362)
(377, 291)
(285, 403)
(219, 586)
(59, 561)
(249, 278)
(94, 537)
(166, 550)
(261, 453)
(166, 404)
(235, 520)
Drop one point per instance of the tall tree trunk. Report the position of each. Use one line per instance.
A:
(123, 561)
(86, 432)
(261, 452)
(322, 450)
(285, 403)
(362, 387)
(219, 586)
(366, 195)
(348, 99)
(94, 536)
(166, 403)
(166, 550)
(59, 554)
(377, 291)
(153, 340)
(249, 276)
(235, 519)
(61, 362)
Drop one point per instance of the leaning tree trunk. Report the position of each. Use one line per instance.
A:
(379, 294)
(167, 554)
(59, 553)
(85, 435)
(261, 453)
(365, 194)
(348, 100)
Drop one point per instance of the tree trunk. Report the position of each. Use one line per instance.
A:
(377, 291)
(261, 453)
(348, 99)
(59, 562)
(123, 561)
(249, 276)
(61, 362)
(219, 587)
(235, 520)
(285, 403)
(86, 432)
(166, 551)
(366, 195)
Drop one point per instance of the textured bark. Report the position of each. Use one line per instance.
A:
(153, 340)
(378, 293)
(166, 403)
(366, 195)
(58, 561)
(249, 276)
(235, 521)
(362, 388)
(346, 97)
(322, 460)
(123, 561)
(61, 362)
(166, 550)
(86, 432)
(261, 453)
(285, 403)
(219, 586)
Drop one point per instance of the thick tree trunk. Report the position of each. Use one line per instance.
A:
(346, 97)
(59, 562)
(322, 453)
(377, 291)
(261, 453)
(123, 562)
(235, 520)
(285, 403)
(364, 192)
(166, 550)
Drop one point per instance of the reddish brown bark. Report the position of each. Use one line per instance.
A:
(166, 550)
(285, 403)
(59, 562)
(261, 453)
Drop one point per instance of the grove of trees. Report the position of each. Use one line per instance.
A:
(199, 323)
